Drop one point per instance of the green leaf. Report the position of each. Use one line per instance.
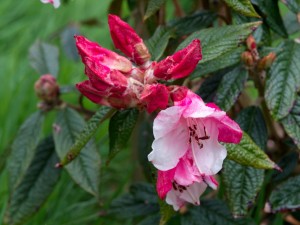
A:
(43, 58)
(220, 40)
(68, 43)
(38, 183)
(230, 58)
(142, 200)
(242, 6)
(286, 196)
(23, 148)
(242, 184)
(87, 133)
(293, 5)
(230, 87)
(283, 80)
(157, 44)
(211, 212)
(120, 128)
(252, 121)
(150, 220)
(85, 169)
(152, 7)
(291, 122)
(271, 15)
(192, 23)
(249, 154)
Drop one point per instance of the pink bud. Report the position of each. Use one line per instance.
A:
(180, 64)
(251, 44)
(177, 93)
(91, 93)
(46, 88)
(87, 48)
(127, 40)
(155, 96)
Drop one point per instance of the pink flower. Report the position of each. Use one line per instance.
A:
(119, 82)
(55, 3)
(187, 144)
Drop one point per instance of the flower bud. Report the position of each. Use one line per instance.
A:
(127, 40)
(251, 44)
(247, 58)
(46, 88)
(266, 62)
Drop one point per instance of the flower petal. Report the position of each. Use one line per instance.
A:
(174, 200)
(164, 182)
(127, 40)
(91, 93)
(193, 192)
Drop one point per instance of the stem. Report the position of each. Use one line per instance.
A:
(178, 10)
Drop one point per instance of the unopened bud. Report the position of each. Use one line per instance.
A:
(266, 61)
(251, 44)
(247, 58)
(46, 88)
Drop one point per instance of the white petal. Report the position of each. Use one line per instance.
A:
(168, 149)
(56, 3)
(193, 193)
(209, 158)
(174, 200)
(166, 121)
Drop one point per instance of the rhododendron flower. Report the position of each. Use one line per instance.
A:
(119, 82)
(187, 139)
(55, 3)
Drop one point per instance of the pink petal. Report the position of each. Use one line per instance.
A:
(127, 40)
(211, 181)
(155, 96)
(168, 149)
(178, 93)
(91, 93)
(164, 182)
(174, 200)
(87, 48)
(193, 193)
(181, 64)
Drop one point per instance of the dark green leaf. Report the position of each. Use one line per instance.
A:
(242, 6)
(283, 80)
(293, 5)
(252, 121)
(23, 148)
(230, 58)
(85, 169)
(152, 7)
(68, 42)
(192, 23)
(44, 58)
(211, 212)
(220, 40)
(38, 183)
(230, 87)
(87, 133)
(286, 196)
(291, 23)
(157, 44)
(241, 185)
(271, 14)
(142, 200)
(288, 164)
(249, 154)
(291, 123)
(150, 220)
(120, 129)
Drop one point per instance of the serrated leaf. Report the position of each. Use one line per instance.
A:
(68, 42)
(85, 169)
(212, 212)
(220, 40)
(38, 183)
(242, 6)
(230, 87)
(142, 200)
(150, 220)
(293, 5)
(291, 122)
(283, 80)
(87, 133)
(157, 44)
(120, 129)
(23, 148)
(152, 7)
(252, 121)
(228, 59)
(271, 14)
(192, 23)
(43, 58)
(249, 154)
(286, 196)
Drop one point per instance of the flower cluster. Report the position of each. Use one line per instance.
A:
(121, 82)
(186, 149)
